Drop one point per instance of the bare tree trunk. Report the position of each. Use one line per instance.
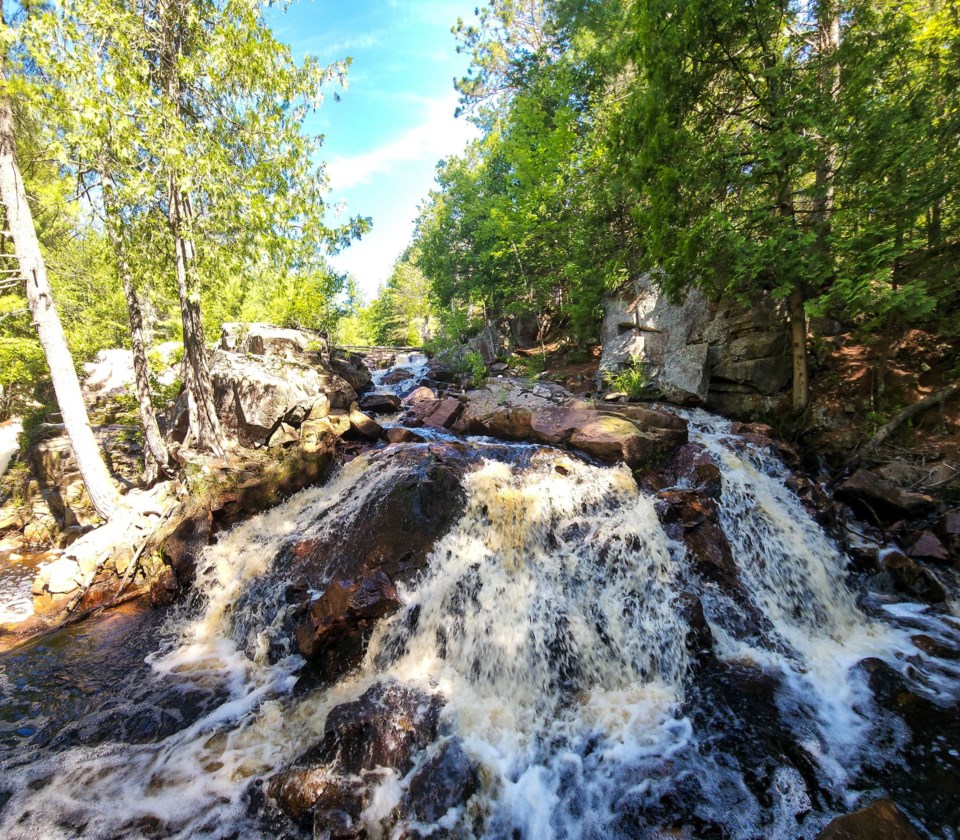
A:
(798, 343)
(100, 487)
(205, 429)
(157, 458)
(204, 423)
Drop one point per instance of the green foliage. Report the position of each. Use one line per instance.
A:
(631, 380)
(403, 313)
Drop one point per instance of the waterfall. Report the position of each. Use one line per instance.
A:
(549, 618)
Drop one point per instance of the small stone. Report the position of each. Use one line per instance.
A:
(320, 408)
(284, 434)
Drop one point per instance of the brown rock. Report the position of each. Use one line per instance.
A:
(912, 578)
(395, 377)
(398, 434)
(363, 425)
(418, 395)
(880, 500)
(556, 425)
(613, 439)
(444, 415)
(385, 727)
(380, 403)
(929, 547)
(882, 820)
(334, 636)
(300, 791)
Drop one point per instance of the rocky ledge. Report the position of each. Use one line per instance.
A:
(521, 410)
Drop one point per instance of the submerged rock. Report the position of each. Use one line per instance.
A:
(339, 622)
(913, 578)
(446, 780)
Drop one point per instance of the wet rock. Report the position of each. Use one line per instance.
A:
(446, 780)
(395, 530)
(912, 578)
(692, 519)
(934, 647)
(881, 501)
(929, 547)
(164, 590)
(398, 434)
(302, 791)
(385, 727)
(396, 376)
(181, 550)
(339, 623)
(699, 638)
(440, 414)
(882, 820)
(380, 403)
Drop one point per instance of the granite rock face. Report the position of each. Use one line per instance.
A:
(724, 354)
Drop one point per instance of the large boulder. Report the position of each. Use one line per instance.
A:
(253, 394)
(267, 340)
(546, 413)
(882, 501)
(725, 354)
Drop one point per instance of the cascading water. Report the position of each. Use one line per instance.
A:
(550, 618)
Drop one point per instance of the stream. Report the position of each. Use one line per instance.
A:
(549, 618)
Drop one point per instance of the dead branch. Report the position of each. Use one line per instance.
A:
(894, 423)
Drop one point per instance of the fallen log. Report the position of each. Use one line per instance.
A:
(887, 429)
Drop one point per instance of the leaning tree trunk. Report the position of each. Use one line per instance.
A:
(100, 487)
(157, 458)
(204, 424)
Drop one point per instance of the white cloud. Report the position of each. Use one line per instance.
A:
(439, 134)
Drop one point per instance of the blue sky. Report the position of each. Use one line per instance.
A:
(395, 119)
